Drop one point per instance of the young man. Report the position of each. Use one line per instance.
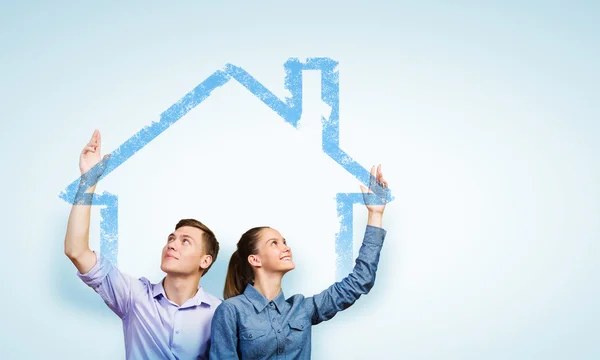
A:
(168, 320)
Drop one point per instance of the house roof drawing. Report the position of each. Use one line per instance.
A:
(290, 110)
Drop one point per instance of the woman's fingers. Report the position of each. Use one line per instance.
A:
(373, 178)
(380, 180)
(377, 179)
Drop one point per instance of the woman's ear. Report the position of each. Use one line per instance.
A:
(254, 260)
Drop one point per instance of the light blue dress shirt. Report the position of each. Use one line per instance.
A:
(154, 327)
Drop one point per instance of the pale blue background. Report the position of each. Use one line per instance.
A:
(485, 116)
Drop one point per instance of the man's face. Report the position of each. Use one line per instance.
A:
(184, 252)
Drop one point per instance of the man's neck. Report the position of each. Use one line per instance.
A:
(180, 289)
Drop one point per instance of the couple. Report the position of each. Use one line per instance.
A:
(177, 319)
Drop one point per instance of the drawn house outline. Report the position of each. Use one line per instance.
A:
(290, 110)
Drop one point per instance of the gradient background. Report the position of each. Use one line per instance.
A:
(484, 116)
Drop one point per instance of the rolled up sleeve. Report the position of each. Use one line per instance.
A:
(343, 294)
(114, 287)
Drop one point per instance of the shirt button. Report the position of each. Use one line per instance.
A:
(279, 330)
(177, 332)
(280, 351)
(273, 319)
(250, 336)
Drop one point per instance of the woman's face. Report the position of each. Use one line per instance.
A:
(273, 252)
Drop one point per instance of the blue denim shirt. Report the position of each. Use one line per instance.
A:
(249, 326)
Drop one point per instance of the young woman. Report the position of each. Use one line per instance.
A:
(256, 321)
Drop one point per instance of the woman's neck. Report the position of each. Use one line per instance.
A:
(269, 285)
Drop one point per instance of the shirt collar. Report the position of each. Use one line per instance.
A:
(198, 299)
(260, 302)
(158, 289)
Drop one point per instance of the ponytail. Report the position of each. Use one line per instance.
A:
(239, 272)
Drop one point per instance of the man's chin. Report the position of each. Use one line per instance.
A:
(175, 271)
(167, 269)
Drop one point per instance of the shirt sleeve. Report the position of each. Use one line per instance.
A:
(343, 294)
(223, 337)
(114, 287)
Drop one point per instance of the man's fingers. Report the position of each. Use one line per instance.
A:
(95, 136)
(98, 140)
(94, 141)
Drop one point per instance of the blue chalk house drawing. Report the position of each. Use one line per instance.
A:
(290, 110)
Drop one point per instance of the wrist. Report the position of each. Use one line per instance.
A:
(85, 188)
(87, 182)
(375, 219)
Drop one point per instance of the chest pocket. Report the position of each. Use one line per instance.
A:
(252, 334)
(253, 343)
(299, 335)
